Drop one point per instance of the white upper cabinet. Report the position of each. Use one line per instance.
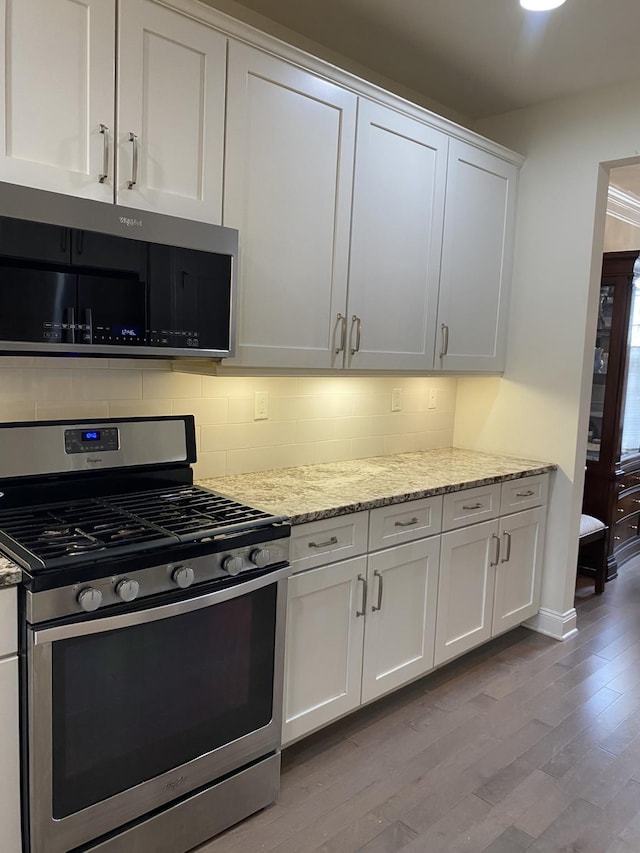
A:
(171, 92)
(288, 178)
(58, 67)
(476, 260)
(398, 211)
(59, 111)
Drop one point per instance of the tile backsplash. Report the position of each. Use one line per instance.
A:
(310, 419)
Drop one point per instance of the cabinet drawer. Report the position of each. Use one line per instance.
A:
(627, 505)
(8, 621)
(625, 530)
(392, 525)
(524, 493)
(470, 506)
(628, 481)
(320, 542)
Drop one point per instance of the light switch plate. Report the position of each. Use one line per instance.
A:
(396, 400)
(432, 400)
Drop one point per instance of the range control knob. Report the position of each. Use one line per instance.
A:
(233, 565)
(260, 557)
(183, 576)
(90, 599)
(127, 589)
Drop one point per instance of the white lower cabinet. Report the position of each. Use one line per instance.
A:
(490, 577)
(465, 589)
(9, 741)
(519, 570)
(361, 627)
(356, 630)
(401, 615)
(323, 658)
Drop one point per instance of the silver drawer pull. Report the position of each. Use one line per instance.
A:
(414, 520)
(473, 506)
(332, 541)
(133, 139)
(507, 556)
(527, 494)
(102, 177)
(364, 597)
(378, 606)
(497, 557)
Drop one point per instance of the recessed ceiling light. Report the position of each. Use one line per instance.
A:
(540, 5)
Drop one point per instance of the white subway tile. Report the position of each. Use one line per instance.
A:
(17, 411)
(327, 429)
(210, 465)
(213, 411)
(139, 408)
(241, 409)
(228, 386)
(73, 410)
(159, 384)
(398, 422)
(107, 385)
(268, 458)
(370, 445)
(258, 434)
(332, 451)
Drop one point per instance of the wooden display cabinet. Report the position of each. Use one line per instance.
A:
(612, 480)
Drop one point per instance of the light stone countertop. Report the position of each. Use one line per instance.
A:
(10, 573)
(314, 492)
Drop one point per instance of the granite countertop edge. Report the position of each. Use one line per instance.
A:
(10, 573)
(277, 491)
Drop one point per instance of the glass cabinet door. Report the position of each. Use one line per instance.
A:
(631, 406)
(600, 363)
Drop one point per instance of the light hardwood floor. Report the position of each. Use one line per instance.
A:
(524, 744)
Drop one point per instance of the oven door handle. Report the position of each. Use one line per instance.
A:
(154, 614)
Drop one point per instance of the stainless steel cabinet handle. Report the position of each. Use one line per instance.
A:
(444, 329)
(505, 559)
(497, 538)
(473, 506)
(343, 333)
(414, 520)
(355, 319)
(332, 541)
(364, 596)
(526, 494)
(133, 139)
(104, 130)
(378, 606)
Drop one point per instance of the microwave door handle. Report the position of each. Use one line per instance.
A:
(70, 331)
(88, 322)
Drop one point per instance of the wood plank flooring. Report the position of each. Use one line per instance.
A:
(524, 744)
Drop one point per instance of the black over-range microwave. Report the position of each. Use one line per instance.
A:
(83, 277)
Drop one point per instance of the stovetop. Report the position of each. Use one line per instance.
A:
(83, 531)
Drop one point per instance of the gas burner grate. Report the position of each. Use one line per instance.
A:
(57, 534)
(192, 513)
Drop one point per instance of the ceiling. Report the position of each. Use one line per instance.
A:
(476, 57)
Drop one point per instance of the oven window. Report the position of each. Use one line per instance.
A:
(134, 703)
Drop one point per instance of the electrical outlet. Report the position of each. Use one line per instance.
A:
(396, 400)
(261, 406)
(432, 401)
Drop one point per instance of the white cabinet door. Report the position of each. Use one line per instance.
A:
(398, 211)
(288, 177)
(465, 589)
(519, 572)
(9, 757)
(476, 259)
(323, 658)
(57, 61)
(171, 90)
(401, 616)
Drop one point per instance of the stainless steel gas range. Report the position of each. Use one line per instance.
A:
(152, 638)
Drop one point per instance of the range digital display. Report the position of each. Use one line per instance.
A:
(91, 435)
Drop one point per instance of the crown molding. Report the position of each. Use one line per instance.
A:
(623, 205)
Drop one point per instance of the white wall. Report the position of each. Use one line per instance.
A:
(539, 409)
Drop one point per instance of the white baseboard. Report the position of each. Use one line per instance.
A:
(560, 626)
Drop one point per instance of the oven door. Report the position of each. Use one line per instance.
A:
(129, 712)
